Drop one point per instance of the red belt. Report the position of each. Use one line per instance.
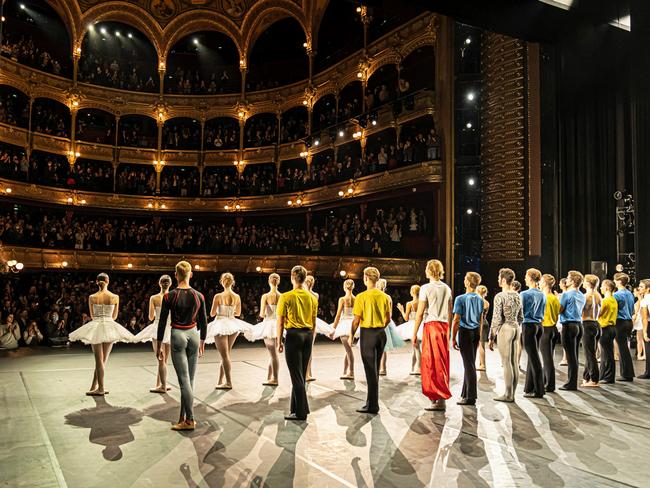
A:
(181, 326)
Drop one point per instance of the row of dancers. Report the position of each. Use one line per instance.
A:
(532, 315)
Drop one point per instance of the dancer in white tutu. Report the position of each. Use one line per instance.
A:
(266, 330)
(150, 333)
(224, 329)
(405, 330)
(393, 340)
(343, 326)
(102, 331)
(322, 327)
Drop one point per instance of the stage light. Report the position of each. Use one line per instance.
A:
(129, 265)
(11, 263)
(471, 182)
(117, 33)
(470, 211)
(358, 10)
(163, 206)
(195, 41)
(350, 191)
(22, 6)
(305, 102)
(359, 74)
(317, 142)
(471, 96)
(341, 193)
(468, 40)
(2, 19)
(8, 190)
(258, 269)
(304, 44)
(103, 30)
(91, 28)
(341, 133)
(64, 264)
(299, 201)
(468, 125)
(289, 202)
(130, 36)
(19, 266)
(83, 202)
(342, 273)
(197, 267)
(149, 205)
(237, 207)
(226, 207)
(69, 200)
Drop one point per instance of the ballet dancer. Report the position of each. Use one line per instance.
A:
(322, 327)
(342, 326)
(607, 322)
(224, 329)
(625, 301)
(644, 310)
(297, 311)
(186, 307)
(468, 313)
(571, 304)
(393, 339)
(549, 332)
(406, 329)
(102, 331)
(434, 303)
(563, 287)
(267, 329)
(637, 322)
(484, 334)
(590, 330)
(505, 328)
(372, 314)
(533, 302)
(150, 333)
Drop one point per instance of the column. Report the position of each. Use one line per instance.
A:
(161, 77)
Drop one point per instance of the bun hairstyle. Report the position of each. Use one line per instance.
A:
(274, 279)
(482, 290)
(310, 280)
(348, 285)
(415, 291)
(381, 284)
(227, 280)
(165, 282)
(102, 280)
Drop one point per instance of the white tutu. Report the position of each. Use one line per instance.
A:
(225, 326)
(405, 330)
(150, 333)
(266, 329)
(99, 330)
(344, 328)
(393, 340)
(323, 327)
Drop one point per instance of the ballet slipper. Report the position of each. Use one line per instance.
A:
(310, 379)
(382, 373)
(223, 387)
(95, 393)
(480, 368)
(415, 373)
(158, 390)
(347, 377)
(270, 383)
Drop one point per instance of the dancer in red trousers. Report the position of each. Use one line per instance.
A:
(435, 301)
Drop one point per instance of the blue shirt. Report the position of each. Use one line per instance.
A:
(572, 301)
(533, 302)
(625, 301)
(470, 307)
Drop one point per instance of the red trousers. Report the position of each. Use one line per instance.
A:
(434, 364)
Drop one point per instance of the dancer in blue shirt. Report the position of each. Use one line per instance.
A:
(571, 304)
(625, 301)
(533, 302)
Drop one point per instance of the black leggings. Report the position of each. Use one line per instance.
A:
(372, 343)
(571, 334)
(547, 348)
(607, 361)
(297, 351)
(625, 364)
(590, 336)
(532, 334)
(468, 340)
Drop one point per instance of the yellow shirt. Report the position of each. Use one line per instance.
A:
(552, 310)
(608, 311)
(371, 306)
(298, 307)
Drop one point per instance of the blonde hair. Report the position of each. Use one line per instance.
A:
(372, 274)
(534, 274)
(549, 281)
(435, 269)
(165, 282)
(575, 277)
(183, 270)
(227, 280)
(482, 290)
(622, 277)
(474, 279)
(348, 285)
(309, 280)
(609, 285)
(381, 284)
(592, 280)
(415, 291)
(102, 280)
(274, 279)
(299, 273)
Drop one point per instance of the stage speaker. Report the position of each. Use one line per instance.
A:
(599, 268)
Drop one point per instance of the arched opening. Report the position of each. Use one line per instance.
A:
(221, 133)
(418, 71)
(94, 125)
(51, 117)
(324, 168)
(278, 56)
(33, 34)
(91, 175)
(220, 181)
(340, 17)
(14, 164)
(202, 63)
(382, 87)
(381, 152)
(138, 131)
(350, 101)
(293, 176)
(324, 113)
(418, 142)
(258, 179)
(179, 181)
(294, 124)
(49, 169)
(14, 107)
(348, 158)
(136, 179)
(261, 130)
(117, 55)
(182, 133)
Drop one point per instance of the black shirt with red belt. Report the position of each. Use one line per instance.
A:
(187, 309)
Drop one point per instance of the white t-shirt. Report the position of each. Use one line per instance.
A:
(437, 296)
(645, 302)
